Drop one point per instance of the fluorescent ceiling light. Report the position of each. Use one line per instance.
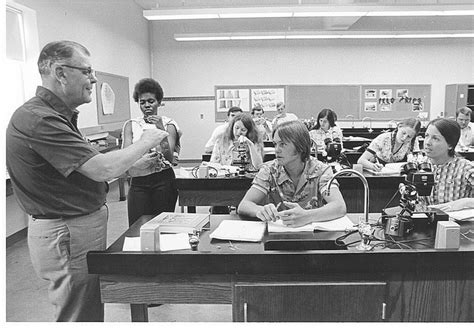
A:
(329, 13)
(307, 11)
(256, 15)
(315, 35)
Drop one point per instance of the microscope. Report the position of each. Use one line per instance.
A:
(402, 220)
(333, 155)
(243, 159)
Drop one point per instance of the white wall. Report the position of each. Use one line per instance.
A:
(193, 69)
(115, 33)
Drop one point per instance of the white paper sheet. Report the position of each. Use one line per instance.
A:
(389, 169)
(239, 230)
(341, 224)
(462, 215)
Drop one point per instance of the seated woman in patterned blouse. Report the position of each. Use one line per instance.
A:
(454, 175)
(391, 147)
(241, 131)
(325, 130)
(293, 187)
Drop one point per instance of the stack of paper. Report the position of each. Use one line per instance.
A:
(462, 215)
(239, 230)
(341, 224)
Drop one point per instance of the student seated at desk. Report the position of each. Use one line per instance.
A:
(463, 117)
(326, 130)
(264, 127)
(241, 132)
(454, 175)
(391, 147)
(220, 130)
(294, 185)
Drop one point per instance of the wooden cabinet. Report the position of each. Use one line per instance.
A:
(458, 95)
(309, 301)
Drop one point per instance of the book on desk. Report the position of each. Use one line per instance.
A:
(169, 222)
(388, 169)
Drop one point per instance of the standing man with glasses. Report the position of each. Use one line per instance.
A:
(60, 180)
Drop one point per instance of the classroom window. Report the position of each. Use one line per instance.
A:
(21, 53)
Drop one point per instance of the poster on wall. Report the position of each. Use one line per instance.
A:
(113, 101)
(370, 106)
(370, 93)
(227, 98)
(267, 98)
(402, 93)
(385, 93)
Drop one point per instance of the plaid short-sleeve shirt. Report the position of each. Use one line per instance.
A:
(453, 180)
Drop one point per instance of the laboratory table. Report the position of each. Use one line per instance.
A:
(410, 283)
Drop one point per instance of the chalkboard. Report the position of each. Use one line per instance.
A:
(306, 101)
(113, 98)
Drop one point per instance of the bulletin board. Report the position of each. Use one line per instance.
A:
(377, 101)
(395, 101)
(246, 97)
(113, 99)
(350, 102)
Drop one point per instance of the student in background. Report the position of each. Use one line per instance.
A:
(220, 130)
(463, 117)
(153, 188)
(263, 126)
(282, 115)
(391, 147)
(59, 179)
(454, 175)
(326, 130)
(293, 187)
(240, 132)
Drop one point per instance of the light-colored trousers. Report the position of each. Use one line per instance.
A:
(58, 249)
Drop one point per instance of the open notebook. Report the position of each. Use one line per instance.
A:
(388, 169)
(341, 224)
(239, 230)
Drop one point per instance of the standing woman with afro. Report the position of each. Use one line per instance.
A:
(153, 188)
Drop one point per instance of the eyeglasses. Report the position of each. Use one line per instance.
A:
(85, 70)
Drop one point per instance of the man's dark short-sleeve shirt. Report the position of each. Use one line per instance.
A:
(43, 150)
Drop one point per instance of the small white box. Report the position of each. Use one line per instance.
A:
(150, 237)
(447, 235)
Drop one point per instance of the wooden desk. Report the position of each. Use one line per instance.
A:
(230, 191)
(419, 284)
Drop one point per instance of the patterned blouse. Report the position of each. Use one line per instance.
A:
(227, 154)
(319, 135)
(273, 181)
(453, 180)
(383, 147)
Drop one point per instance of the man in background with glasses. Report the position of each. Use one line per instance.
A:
(463, 117)
(60, 180)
